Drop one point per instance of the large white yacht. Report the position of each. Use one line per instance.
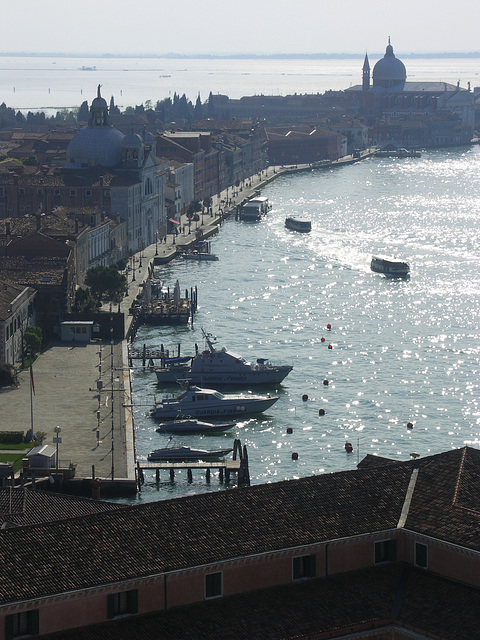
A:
(209, 403)
(214, 366)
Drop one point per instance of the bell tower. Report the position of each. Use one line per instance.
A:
(366, 74)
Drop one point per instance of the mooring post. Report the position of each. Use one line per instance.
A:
(207, 475)
(189, 475)
(172, 475)
(220, 474)
(157, 475)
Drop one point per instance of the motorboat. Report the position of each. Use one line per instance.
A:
(185, 454)
(294, 224)
(190, 425)
(391, 267)
(199, 255)
(214, 366)
(200, 251)
(202, 403)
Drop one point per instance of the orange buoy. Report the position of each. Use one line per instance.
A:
(325, 382)
(322, 339)
(348, 447)
(305, 397)
(330, 346)
(409, 425)
(289, 430)
(329, 326)
(321, 412)
(294, 455)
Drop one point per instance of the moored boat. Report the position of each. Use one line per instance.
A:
(294, 224)
(221, 367)
(391, 267)
(202, 403)
(190, 425)
(184, 454)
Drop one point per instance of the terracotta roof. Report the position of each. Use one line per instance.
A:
(387, 597)
(33, 271)
(21, 506)
(176, 534)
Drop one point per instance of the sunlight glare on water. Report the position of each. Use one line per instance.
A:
(402, 350)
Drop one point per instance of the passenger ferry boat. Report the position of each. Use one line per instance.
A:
(302, 226)
(255, 208)
(391, 267)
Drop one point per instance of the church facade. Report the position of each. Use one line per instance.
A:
(431, 113)
(136, 182)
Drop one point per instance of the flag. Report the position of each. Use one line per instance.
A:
(31, 379)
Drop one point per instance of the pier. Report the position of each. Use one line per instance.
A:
(239, 466)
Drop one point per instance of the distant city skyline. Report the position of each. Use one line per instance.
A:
(214, 27)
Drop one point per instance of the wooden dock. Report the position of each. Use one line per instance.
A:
(239, 466)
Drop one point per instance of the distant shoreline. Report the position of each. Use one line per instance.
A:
(239, 56)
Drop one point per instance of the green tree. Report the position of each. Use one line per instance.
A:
(84, 301)
(84, 112)
(32, 339)
(106, 284)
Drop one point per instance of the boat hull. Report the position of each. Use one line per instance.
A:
(194, 426)
(302, 226)
(228, 407)
(185, 454)
(234, 378)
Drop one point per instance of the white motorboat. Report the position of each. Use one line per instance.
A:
(199, 255)
(190, 425)
(183, 453)
(391, 267)
(202, 403)
(302, 226)
(218, 367)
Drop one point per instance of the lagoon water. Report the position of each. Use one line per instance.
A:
(403, 350)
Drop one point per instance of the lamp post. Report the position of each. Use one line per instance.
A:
(156, 243)
(133, 278)
(57, 440)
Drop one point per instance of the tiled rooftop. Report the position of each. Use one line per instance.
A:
(388, 596)
(211, 527)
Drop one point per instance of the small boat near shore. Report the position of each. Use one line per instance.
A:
(185, 454)
(201, 250)
(203, 403)
(190, 425)
(220, 367)
(391, 267)
(302, 226)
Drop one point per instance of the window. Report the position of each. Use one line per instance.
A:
(88, 192)
(122, 603)
(72, 192)
(56, 192)
(213, 585)
(2, 192)
(21, 624)
(21, 191)
(304, 567)
(421, 555)
(385, 551)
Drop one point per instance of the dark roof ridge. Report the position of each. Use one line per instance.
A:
(459, 476)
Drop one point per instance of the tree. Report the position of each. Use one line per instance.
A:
(32, 339)
(84, 301)
(84, 112)
(106, 284)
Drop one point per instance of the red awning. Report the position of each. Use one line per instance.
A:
(174, 221)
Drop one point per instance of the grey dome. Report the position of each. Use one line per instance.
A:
(99, 143)
(95, 146)
(132, 140)
(389, 70)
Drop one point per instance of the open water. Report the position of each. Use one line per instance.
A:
(403, 350)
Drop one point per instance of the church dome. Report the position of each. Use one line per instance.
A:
(99, 143)
(132, 140)
(95, 146)
(389, 70)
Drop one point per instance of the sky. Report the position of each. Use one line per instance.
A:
(249, 26)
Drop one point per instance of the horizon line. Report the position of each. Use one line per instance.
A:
(249, 55)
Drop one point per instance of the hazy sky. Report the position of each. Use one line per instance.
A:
(248, 26)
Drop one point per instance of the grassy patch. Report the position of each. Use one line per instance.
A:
(16, 458)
